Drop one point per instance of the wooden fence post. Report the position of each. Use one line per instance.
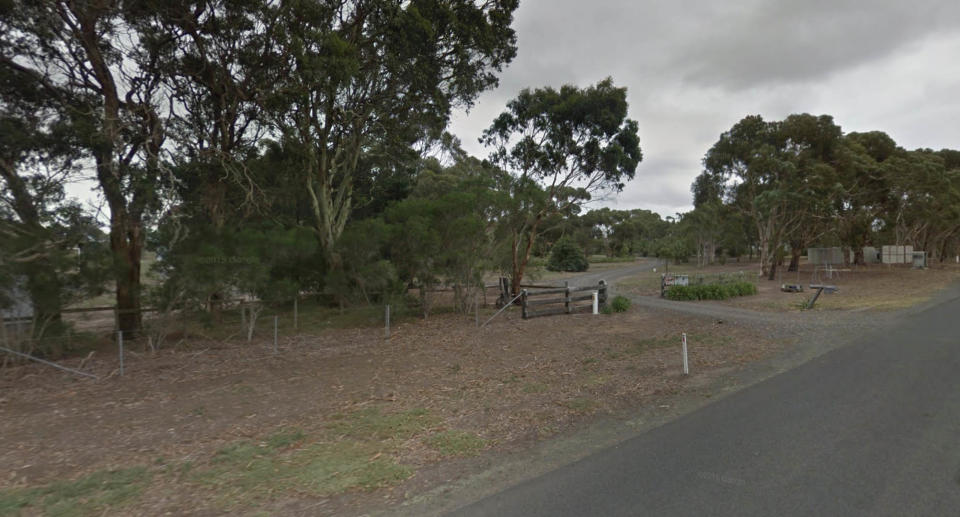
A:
(603, 293)
(523, 302)
(566, 297)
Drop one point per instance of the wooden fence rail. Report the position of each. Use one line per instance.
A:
(561, 300)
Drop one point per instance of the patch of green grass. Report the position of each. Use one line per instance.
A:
(595, 380)
(373, 424)
(534, 387)
(245, 472)
(284, 439)
(582, 404)
(652, 343)
(90, 495)
(603, 259)
(457, 443)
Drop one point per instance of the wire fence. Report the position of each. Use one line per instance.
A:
(90, 333)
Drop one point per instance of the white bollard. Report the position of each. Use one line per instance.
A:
(686, 366)
(596, 302)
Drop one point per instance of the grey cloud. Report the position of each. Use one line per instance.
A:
(694, 68)
(787, 41)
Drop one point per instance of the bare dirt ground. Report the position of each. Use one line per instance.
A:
(340, 421)
(873, 287)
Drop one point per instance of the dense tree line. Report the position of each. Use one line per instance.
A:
(802, 182)
(270, 148)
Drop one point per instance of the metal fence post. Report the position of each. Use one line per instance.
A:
(120, 347)
(386, 328)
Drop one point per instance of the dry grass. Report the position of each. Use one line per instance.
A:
(340, 417)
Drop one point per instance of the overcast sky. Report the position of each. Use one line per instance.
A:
(694, 68)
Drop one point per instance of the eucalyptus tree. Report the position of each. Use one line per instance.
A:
(863, 193)
(95, 70)
(563, 147)
(779, 174)
(925, 201)
(46, 241)
(354, 78)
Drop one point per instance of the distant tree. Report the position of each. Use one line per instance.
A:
(445, 232)
(562, 147)
(779, 174)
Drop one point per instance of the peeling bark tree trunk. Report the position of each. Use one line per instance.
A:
(795, 259)
(520, 262)
(858, 257)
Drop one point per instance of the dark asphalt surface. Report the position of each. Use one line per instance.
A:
(871, 428)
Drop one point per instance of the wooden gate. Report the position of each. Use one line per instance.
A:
(561, 300)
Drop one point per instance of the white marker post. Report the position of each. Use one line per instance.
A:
(686, 366)
(596, 302)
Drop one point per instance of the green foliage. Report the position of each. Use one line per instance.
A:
(717, 291)
(620, 304)
(567, 256)
(258, 258)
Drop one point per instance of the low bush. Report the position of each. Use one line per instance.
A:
(710, 291)
(619, 304)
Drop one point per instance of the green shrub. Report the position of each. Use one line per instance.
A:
(710, 291)
(567, 256)
(620, 304)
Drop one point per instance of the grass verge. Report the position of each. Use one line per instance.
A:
(90, 495)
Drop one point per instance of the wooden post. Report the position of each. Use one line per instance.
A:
(602, 293)
(523, 303)
(296, 312)
(275, 321)
(566, 297)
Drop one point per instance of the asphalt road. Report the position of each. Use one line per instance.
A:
(871, 428)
